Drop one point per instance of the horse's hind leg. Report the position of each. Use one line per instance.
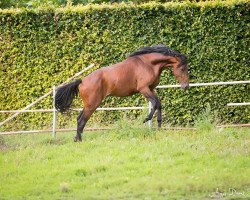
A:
(91, 103)
(81, 122)
(79, 116)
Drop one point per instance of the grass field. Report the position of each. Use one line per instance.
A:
(127, 163)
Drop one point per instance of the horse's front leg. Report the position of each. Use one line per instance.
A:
(159, 114)
(156, 105)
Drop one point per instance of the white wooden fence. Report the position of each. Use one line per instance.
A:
(53, 91)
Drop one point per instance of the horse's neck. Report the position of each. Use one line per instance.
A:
(161, 62)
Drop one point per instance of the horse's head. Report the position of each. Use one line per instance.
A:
(180, 71)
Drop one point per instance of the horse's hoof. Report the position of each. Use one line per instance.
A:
(76, 139)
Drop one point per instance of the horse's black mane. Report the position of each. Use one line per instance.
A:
(163, 49)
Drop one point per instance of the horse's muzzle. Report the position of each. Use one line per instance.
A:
(184, 86)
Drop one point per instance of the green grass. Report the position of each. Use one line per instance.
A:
(127, 163)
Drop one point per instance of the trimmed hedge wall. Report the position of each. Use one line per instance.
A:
(41, 3)
(43, 47)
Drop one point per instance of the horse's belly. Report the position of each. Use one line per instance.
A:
(122, 93)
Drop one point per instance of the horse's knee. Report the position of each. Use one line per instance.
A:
(158, 104)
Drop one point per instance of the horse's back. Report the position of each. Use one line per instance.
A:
(116, 80)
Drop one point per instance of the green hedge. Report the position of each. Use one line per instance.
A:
(43, 47)
(56, 3)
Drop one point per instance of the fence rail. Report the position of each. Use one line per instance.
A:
(239, 104)
(205, 84)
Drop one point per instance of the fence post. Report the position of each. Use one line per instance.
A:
(54, 112)
(149, 110)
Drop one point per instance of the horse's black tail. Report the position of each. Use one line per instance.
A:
(65, 95)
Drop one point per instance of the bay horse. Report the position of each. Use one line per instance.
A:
(139, 73)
